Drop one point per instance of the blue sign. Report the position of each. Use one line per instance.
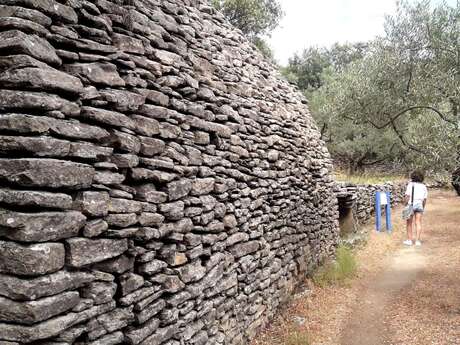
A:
(383, 199)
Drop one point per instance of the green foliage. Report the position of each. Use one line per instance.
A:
(393, 101)
(338, 271)
(264, 48)
(308, 69)
(297, 338)
(255, 18)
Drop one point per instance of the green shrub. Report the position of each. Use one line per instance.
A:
(297, 338)
(337, 271)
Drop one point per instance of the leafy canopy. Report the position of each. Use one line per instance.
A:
(394, 100)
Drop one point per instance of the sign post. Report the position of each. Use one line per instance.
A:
(382, 199)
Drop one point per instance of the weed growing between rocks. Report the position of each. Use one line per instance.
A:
(337, 271)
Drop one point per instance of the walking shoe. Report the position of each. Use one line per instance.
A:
(408, 242)
(418, 243)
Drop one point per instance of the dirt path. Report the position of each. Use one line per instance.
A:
(365, 326)
(402, 296)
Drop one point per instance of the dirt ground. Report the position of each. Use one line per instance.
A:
(401, 295)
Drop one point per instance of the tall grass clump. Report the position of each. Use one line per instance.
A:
(337, 271)
(297, 338)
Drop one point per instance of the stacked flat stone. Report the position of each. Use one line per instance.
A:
(363, 196)
(159, 182)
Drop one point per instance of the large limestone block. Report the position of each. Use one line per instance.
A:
(36, 101)
(83, 251)
(40, 227)
(39, 310)
(51, 8)
(47, 79)
(17, 42)
(37, 146)
(30, 289)
(98, 73)
(51, 173)
(33, 260)
(35, 198)
(51, 327)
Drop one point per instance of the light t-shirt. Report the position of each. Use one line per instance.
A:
(420, 192)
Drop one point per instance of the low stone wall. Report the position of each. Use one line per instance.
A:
(159, 183)
(362, 198)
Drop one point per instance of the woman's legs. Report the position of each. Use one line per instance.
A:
(418, 225)
(409, 226)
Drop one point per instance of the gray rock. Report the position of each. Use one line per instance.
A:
(17, 42)
(89, 151)
(136, 335)
(121, 220)
(107, 117)
(128, 44)
(10, 100)
(150, 219)
(51, 8)
(191, 272)
(81, 251)
(203, 186)
(148, 192)
(23, 123)
(118, 205)
(151, 146)
(38, 310)
(51, 327)
(126, 160)
(95, 227)
(122, 100)
(76, 130)
(160, 336)
(20, 12)
(141, 174)
(35, 199)
(111, 339)
(50, 79)
(245, 248)
(99, 292)
(110, 322)
(40, 227)
(130, 282)
(125, 142)
(108, 178)
(117, 265)
(96, 73)
(33, 288)
(173, 210)
(150, 311)
(93, 204)
(146, 126)
(152, 267)
(179, 189)
(37, 146)
(34, 260)
(49, 173)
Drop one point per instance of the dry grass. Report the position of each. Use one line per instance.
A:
(368, 178)
(337, 271)
(428, 314)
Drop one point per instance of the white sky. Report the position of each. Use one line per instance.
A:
(324, 22)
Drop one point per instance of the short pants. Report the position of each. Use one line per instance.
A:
(418, 208)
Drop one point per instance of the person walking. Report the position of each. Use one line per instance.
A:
(416, 195)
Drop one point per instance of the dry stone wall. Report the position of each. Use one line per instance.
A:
(159, 183)
(363, 196)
